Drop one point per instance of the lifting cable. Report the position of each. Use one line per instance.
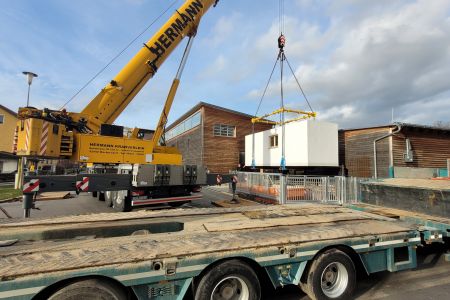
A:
(120, 53)
(281, 58)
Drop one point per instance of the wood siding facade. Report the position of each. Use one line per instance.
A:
(430, 146)
(219, 154)
(356, 152)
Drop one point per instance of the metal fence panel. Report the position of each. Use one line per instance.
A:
(295, 188)
(260, 184)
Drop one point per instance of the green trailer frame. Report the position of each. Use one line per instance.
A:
(282, 252)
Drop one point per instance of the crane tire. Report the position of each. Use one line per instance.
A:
(90, 289)
(109, 196)
(232, 279)
(121, 201)
(332, 275)
(101, 196)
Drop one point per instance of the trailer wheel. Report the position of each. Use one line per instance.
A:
(121, 201)
(109, 195)
(232, 279)
(89, 289)
(332, 275)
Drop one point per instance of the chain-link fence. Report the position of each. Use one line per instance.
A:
(295, 189)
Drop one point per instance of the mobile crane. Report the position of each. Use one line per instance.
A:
(146, 169)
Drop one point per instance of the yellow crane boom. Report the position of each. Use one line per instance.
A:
(47, 133)
(114, 98)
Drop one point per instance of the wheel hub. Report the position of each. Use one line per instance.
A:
(227, 292)
(231, 288)
(334, 280)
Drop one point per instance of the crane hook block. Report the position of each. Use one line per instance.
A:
(281, 42)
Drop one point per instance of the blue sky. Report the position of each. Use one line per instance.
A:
(356, 60)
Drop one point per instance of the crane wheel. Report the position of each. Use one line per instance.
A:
(121, 201)
(101, 196)
(109, 196)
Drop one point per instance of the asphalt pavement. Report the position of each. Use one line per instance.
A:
(431, 280)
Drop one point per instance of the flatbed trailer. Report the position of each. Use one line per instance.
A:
(224, 253)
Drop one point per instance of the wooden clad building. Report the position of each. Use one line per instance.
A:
(212, 136)
(414, 151)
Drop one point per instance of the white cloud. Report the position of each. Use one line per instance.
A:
(356, 60)
(223, 29)
(390, 58)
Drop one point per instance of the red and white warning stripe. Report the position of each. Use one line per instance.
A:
(27, 133)
(44, 138)
(83, 185)
(31, 186)
(16, 137)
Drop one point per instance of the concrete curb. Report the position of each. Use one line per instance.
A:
(11, 200)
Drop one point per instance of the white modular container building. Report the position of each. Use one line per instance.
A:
(309, 143)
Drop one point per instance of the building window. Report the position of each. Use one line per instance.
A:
(2, 119)
(189, 123)
(273, 141)
(224, 130)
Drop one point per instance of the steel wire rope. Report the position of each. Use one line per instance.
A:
(298, 83)
(120, 53)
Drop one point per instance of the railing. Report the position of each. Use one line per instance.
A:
(264, 185)
(295, 189)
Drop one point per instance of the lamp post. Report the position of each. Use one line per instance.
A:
(30, 76)
(27, 198)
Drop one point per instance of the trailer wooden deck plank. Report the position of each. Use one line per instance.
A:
(399, 213)
(192, 219)
(116, 251)
(27, 258)
(307, 208)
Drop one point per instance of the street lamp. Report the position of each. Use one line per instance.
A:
(30, 76)
(27, 199)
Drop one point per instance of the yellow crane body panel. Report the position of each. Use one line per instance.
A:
(37, 137)
(121, 150)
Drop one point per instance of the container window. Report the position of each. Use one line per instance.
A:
(273, 141)
(2, 119)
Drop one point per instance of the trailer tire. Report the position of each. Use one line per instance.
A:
(109, 196)
(121, 202)
(89, 289)
(228, 280)
(332, 275)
